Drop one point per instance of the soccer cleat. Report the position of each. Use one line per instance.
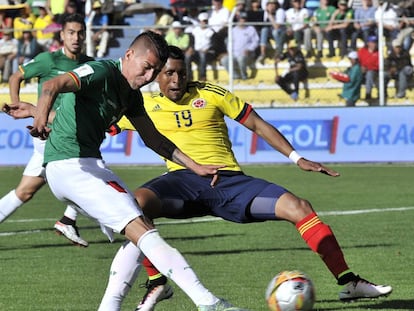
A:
(361, 288)
(157, 290)
(71, 233)
(221, 305)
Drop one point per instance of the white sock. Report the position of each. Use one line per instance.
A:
(173, 265)
(8, 204)
(124, 270)
(71, 212)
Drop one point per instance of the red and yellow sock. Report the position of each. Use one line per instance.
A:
(152, 272)
(321, 240)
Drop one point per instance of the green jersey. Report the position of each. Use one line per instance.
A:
(323, 16)
(48, 65)
(81, 121)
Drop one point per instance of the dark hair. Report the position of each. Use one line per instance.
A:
(157, 41)
(74, 18)
(175, 52)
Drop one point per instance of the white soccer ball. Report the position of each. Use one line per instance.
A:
(290, 291)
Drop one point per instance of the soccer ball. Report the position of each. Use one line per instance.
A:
(290, 291)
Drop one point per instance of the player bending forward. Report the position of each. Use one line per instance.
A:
(191, 114)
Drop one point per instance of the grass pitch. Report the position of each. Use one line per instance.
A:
(370, 208)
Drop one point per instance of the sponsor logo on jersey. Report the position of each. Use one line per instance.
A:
(199, 103)
(156, 107)
(83, 70)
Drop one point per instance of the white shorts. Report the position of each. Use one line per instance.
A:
(94, 189)
(35, 165)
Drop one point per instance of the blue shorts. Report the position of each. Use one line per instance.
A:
(230, 199)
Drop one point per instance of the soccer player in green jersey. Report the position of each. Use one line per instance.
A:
(98, 93)
(192, 115)
(44, 67)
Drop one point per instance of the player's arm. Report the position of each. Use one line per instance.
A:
(15, 81)
(23, 110)
(50, 90)
(275, 139)
(167, 149)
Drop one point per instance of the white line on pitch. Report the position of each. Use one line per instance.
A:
(210, 218)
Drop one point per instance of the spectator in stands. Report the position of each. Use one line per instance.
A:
(240, 6)
(57, 7)
(100, 34)
(42, 21)
(255, 14)
(190, 19)
(27, 48)
(351, 90)
(163, 20)
(185, 41)
(398, 67)
(219, 17)
(203, 52)
(389, 16)
(369, 59)
(311, 6)
(71, 8)
(364, 24)
(6, 22)
(24, 21)
(340, 28)
(276, 16)
(355, 4)
(297, 72)
(8, 54)
(297, 18)
(56, 43)
(320, 21)
(244, 44)
(406, 34)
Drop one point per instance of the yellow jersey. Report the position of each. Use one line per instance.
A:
(196, 123)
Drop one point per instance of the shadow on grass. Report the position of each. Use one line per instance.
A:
(381, 304)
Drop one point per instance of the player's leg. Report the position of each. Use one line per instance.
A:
(25, 190)
(157, 287)
(115, 207)
(123, 272)
(170, 262)
(31, 181)
(319, 237)
(173, 194)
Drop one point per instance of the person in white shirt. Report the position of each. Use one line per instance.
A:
(202, 45)
(297, 18)
(219, 16)
(390, 22)
(244, 44)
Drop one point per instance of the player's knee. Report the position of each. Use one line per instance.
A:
(292, 208)
(148, 201)
(301, 208)
(24, 194)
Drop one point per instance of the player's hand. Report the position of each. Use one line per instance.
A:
(307, 165)
(21, 110)
(39, 128)
(41, 133)
(209, 170)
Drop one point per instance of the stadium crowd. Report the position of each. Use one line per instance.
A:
(262, 32)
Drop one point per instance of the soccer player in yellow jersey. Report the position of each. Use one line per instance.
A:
(191, 114)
